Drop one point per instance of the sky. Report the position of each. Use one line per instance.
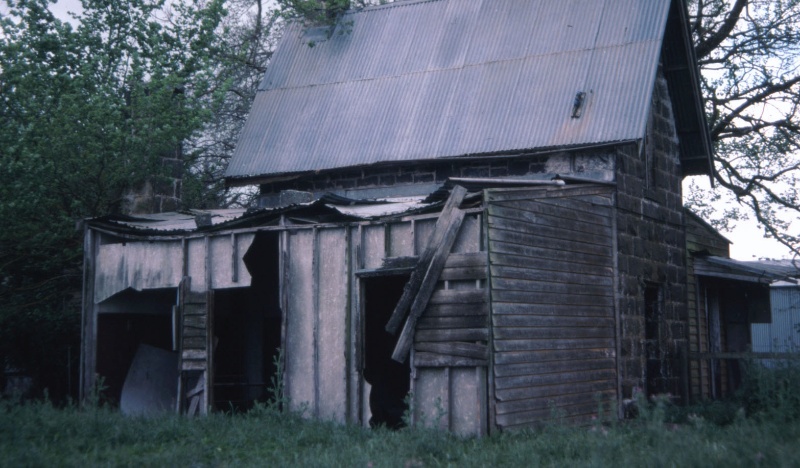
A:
(748, 242)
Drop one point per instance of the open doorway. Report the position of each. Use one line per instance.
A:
(389, 380)
(247, 327)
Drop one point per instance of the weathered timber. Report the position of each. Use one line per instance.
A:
(548, 298)
(424, 359)
(550, 259)
(458, 334)
(547, 390)
(467, 321)
(513, 308)
(194, 354)
(548, 355)
(458, 296)
(193, 365)
(466, 260)
(547, 222)
(504, 230)
(538, 345)
(518, 381)
(539, 368)
(552, 333)
(516, 284)
(194, 342)
(457, 310)
(428, 285)
(463, 273)
(583, 193)
(547, 321)
(442, 227)
(469, 350)
(577, 278)
(569, 416)
(561, 400)
(552, 208)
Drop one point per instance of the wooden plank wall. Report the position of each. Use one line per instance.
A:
(450, 354)
(552, 302)
(700, 237)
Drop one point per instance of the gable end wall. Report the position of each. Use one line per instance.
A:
(652, 253)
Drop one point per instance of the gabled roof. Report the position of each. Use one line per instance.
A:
(429, 79)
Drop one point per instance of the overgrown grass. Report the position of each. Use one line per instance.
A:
(39, 434)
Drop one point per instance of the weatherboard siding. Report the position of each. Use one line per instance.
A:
(552, 300)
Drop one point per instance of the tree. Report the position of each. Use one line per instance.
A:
(85, 115)
(748, 53)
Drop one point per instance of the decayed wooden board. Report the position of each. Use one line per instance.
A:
(547, 355)
(442, 228)
(537, 345)
(554, 378)
(458, 296)
(590, 214)
(427, 286)
(466, 321)
(194, 354)
(600, 278)
(540, 368)
(547, 390)
(548, 298)
(193, 365)
(524, 234)
(512, 308)
(458, 334)
(574, 192)
(557, 400)
(424, 359)
(549, 259)
(569, 416)
(551, 333)
(551, 321)
(470, 350)
(466, 273)
(541, 221)
(457, 309)
(516, 284)
(466, 260)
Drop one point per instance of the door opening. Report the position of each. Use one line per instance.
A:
(389, 379)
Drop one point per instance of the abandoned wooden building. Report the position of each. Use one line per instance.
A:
(474, 202)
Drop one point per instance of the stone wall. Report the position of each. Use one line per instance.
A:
(162, 192)
(652, 257)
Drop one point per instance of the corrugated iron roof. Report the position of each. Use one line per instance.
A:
(418, 80)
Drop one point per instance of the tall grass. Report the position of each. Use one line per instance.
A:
(39, 434)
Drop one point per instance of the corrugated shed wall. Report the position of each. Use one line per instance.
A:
(552, 301)
(780, 336)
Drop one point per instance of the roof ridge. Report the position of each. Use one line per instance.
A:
(386, 6)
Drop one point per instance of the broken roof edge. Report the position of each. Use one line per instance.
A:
(242, 181)
(740, 270)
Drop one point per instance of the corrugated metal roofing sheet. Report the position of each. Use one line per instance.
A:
(418, 80)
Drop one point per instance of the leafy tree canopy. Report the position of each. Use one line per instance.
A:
(748, 51)
(85, 115)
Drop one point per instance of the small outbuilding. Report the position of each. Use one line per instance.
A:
(470, 215)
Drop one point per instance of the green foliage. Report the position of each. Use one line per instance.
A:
(86, 114)
(314, 12)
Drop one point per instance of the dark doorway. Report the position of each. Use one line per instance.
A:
(247, 327)
(389, 379)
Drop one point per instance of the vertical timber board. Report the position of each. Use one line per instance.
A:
(552, 303)
(402, 239)
(197, 263)
(466, 415)
(468, 239)
(220, 264)
(88, 316)
(490, 401)
(299, 343)
(283, 273)
(208, 394)
(374, 247)
(432, 397)
(137, 265)
(617, 299)
(356, 414)
(423, 230)
(332, 331)
(315, 295)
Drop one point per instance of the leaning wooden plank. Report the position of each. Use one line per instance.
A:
(428, 285)
(412, 287)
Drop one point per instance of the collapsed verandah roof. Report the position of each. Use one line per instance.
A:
(751, 271)
(435, 79)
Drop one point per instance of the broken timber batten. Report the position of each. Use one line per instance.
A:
(409, 293)
(423, 279)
